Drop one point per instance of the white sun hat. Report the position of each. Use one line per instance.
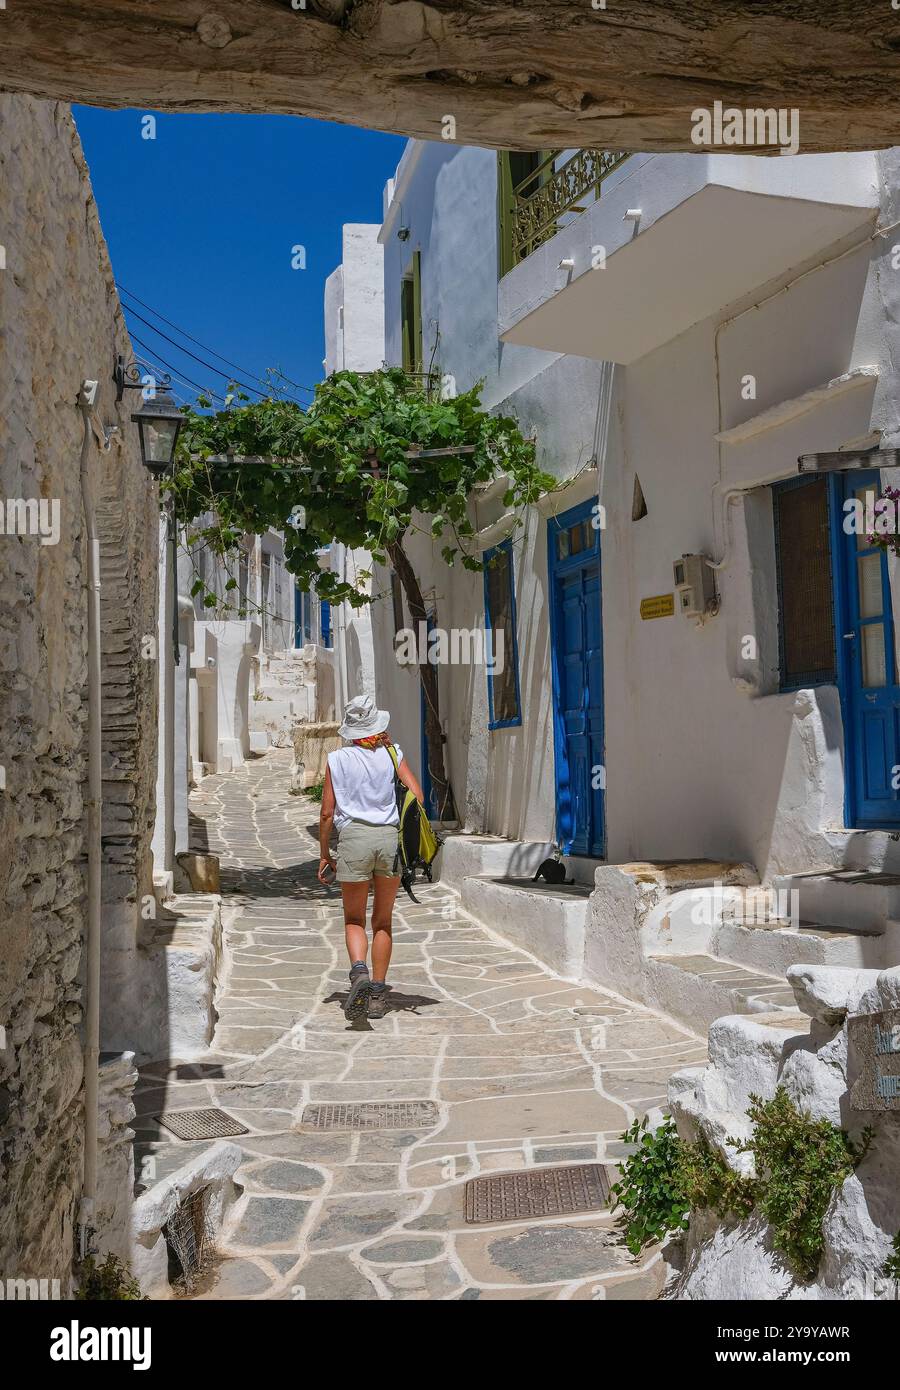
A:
(363, 718)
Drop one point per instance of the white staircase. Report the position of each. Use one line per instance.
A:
(695, 939)
(698, 989)
(842, 918)
(859, 900)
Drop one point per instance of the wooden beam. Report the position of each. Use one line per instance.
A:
(848, 461)
(520, 74)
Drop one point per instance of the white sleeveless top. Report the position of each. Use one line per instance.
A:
(363, 782)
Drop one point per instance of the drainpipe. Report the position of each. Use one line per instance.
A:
(94, 805)
(341, 639)
(170, 660)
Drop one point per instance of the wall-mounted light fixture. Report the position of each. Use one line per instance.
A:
(132, 376)
(403, 233)
(159, 420)
(159, 423)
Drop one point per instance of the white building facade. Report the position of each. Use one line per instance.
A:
(354, 342)
(674, 346)
(700, 707)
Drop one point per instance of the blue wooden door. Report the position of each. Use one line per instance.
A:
(573, 547)
(867, 668)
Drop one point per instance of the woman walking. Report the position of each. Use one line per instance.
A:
(359, 800)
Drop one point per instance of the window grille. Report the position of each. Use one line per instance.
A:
(804, 571)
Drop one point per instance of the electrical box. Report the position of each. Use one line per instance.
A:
(695, 584)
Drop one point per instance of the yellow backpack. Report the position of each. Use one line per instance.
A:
(417, 844)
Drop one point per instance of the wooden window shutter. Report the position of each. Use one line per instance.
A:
(505, 251)
(418, 354)
(411, 315)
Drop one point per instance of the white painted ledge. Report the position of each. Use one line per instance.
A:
(498, 531)
(789, 410)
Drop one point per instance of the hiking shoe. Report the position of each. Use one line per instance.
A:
(378, 1001)
(357, 1002)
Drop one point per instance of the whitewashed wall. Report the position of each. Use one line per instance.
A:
(694, 763)
(354, 341)
(703, 756)
(446, 195)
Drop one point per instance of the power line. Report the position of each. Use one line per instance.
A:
(153, 366)
(185, 380)
(208, 365)
(184, 333)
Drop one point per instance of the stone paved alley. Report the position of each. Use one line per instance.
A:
(526, 1070)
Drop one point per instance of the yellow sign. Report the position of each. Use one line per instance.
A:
(661, 606)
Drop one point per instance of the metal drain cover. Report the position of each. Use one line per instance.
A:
(537, 1192)
(201, 1124)
(373, 1114)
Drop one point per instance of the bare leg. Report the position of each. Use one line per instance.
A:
(382, 910)
(356, 897)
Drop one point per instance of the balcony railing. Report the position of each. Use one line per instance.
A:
(428, 383)
(548, 194)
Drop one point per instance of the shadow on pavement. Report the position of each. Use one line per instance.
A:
(396, 1002)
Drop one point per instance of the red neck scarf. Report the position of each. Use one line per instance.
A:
(373, 741)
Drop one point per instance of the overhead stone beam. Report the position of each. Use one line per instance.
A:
(522, 74)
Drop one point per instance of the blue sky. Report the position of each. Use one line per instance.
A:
(201, 224)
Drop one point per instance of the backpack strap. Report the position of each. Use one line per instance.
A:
(398, 788)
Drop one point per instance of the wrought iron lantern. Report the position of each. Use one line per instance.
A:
(159, 420)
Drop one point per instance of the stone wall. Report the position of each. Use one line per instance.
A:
(810, 1056)
(60, 322)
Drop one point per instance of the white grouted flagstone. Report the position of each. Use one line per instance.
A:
(525, 1069)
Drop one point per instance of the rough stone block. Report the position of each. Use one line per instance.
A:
(202, 871)
(829, 992)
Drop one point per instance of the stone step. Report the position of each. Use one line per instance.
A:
(774, 946)
(549, 920)
(182, 955)
(858, 899)
(805, 924)
(681, 875)
(489, 856)
(698, 989)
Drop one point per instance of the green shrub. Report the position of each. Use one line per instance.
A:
(891, 1267)
(106, 1281)
(800, 1163)
(651, 1190)
(666, 1179)
(315, 791)
(711, 1184)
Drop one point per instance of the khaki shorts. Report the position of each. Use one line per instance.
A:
(364, 851)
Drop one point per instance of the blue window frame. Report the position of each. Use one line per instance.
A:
(302, 617)
(325, 622)
(804, 515)
(504, 703)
